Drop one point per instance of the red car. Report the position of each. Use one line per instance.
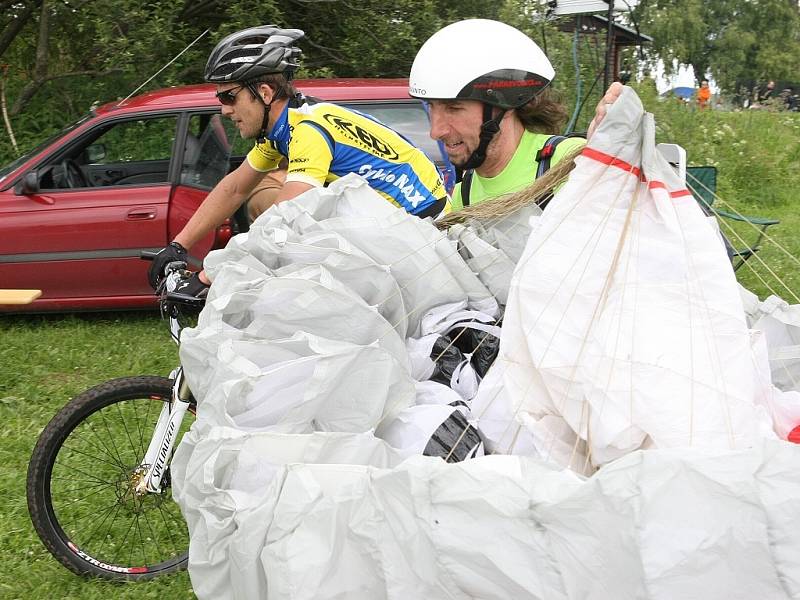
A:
(76, 211)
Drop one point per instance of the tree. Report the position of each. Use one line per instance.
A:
(64, 56)
(732, 40)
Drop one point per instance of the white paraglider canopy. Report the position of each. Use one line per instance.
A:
(343, 420)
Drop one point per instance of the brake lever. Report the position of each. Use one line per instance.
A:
(178, 298)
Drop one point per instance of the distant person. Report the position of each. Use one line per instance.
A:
(764, 95)
(703, 95)
(769, 91)
(789, 99)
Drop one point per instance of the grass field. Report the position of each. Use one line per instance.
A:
(757, 154)
(45, 360)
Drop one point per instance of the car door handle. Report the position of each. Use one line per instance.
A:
(141, 214)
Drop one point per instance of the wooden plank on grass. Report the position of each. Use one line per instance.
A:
(19, 296)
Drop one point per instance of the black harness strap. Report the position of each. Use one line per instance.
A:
(433, 210)
(544, 157)
(466, 184)
(546, 152)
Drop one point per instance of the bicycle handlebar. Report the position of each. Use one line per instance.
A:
(185, 299)
(171, 300)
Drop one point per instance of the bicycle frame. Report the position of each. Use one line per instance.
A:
(159, 451)
(131, 480)
(151, 470)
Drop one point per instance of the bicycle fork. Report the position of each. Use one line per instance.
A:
(154, 465)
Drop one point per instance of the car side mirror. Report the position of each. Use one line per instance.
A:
(29, 184)
(95, 153)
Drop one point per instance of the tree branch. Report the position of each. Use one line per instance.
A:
(40, 68)
(6, 4)
(329, 52)
(197, 8)
(34, 86)
(6, 120)
(43, 43)
(15, 26)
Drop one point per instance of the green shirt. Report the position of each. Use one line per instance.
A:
(520, 171)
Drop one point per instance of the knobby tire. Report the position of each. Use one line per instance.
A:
(78, 485)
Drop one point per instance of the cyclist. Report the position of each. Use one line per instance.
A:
(486, 84)
(253, 70)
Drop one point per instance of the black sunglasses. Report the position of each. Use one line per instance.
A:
(228, 97)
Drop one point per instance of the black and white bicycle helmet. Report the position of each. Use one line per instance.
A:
(253, 53)
(483, 60)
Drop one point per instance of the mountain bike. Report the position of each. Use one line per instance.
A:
(99, 487)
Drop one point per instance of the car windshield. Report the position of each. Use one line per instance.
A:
(6, 169)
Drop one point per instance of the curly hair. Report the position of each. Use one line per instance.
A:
(544, 114)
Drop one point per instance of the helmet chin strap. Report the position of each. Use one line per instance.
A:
(489, 129)
(262, 134)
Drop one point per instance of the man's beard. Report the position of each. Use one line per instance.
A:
(459, 164)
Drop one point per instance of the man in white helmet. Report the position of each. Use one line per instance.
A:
(486, 84)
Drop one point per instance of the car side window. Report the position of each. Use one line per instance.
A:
(137, 141)
(130, 152)
(239, 146)
(206, 151)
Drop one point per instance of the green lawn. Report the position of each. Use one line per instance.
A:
(757, 155)
(44, 361)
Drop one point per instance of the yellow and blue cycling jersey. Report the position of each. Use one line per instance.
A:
(324, 142)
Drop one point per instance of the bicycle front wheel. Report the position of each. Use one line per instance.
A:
(81, 480)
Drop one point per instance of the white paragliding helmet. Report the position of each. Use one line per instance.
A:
(483, 60)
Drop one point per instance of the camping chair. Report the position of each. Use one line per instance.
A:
(702, 182)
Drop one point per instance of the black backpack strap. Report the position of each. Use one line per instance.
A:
(544, 157)
(546, 152)
(466, 184)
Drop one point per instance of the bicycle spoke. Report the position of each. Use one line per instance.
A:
(74, 500)
(114, 508)
(73, 480)
(104, 451)
(90, 476)
(90, 483)
(91, 456)
(142, 447)
(141, 541)
(90, 426)
(153, 535)
(124, 539)
(123, 421)
(73, 526)
(93, 483)
(168, 527)
(111, 436)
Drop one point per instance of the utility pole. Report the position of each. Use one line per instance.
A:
(609, 44)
